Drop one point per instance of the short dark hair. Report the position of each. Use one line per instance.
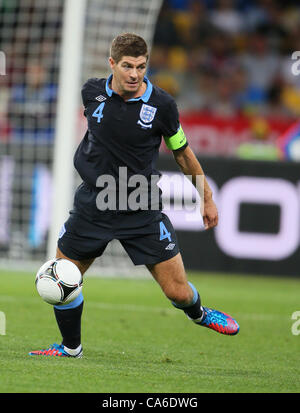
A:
(128, 44)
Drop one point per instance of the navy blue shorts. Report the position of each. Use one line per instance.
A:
(148, 237)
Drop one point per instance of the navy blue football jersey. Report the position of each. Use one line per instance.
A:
(125, 133)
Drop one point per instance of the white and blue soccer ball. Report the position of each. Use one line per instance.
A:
(58, 281)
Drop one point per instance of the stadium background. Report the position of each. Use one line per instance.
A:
(229, 66)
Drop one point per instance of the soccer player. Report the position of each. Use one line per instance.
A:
(127, 117)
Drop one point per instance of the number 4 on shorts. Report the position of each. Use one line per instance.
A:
(164, 233)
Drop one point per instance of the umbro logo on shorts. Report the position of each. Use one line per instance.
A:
(100, 98)
(170, 246)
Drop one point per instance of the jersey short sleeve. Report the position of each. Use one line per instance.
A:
(90, 87)
(173, 133)
(85, 92)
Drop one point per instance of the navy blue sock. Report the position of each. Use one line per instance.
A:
(68, 319)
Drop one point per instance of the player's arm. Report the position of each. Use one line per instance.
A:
(176, 141)
(189, 165)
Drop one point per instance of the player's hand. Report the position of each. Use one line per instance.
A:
(210, 214)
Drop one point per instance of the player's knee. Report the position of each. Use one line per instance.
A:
(179, 294)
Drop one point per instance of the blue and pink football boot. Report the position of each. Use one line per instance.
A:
(218, 321)
(55, 350)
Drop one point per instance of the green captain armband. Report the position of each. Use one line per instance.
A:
(176, 141)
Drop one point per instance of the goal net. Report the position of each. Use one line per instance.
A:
(31, 38)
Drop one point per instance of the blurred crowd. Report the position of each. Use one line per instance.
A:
(30, 34)
(229, 57)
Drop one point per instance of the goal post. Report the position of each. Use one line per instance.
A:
(67, 110)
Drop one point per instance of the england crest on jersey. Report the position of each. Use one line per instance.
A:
(147, 113)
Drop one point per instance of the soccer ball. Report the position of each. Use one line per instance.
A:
(58, 281)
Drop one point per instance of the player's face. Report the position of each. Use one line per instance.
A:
(128, 75)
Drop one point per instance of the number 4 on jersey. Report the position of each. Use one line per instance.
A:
(98, 112)
(164, 233)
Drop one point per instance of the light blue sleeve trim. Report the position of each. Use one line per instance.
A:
(73, 304)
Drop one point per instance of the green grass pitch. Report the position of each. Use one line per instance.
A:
(135, 342)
